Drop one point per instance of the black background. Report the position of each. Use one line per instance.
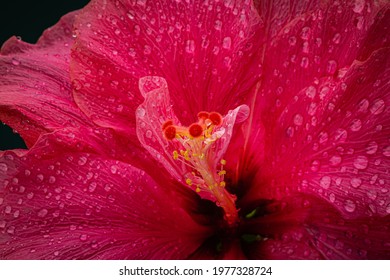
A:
(28, 19)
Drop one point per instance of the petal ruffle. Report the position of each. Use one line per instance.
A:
(203, 49)
(77, 205)
(35, 87)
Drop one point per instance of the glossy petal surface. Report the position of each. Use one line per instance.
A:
(67, 205)
(35, 89)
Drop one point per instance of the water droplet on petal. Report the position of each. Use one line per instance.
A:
(341, 135)
(356, 182)
(218, 25)
(356, 125)
(83, 237)
(372, 194)
(332, 197)
(361, 162)
(82, 161)
(190, 46)
(114, 169)
(298, 119)
(290, 132)
(92, 187)
(386, 151)
(371, 148)
(3, 167)
(377, 107)
(227, 43)
(42, 213)
(358, 6)
(15, 62)
(325, 182)
(349, 206)
(52, 179)
(335, 160)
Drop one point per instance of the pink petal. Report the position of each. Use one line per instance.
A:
(305, 227)
(323, 131)
(68, 205)
(204, 51)
(156, 109)
(35, 87)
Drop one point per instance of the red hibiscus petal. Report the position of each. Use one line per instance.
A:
(323, 131)
(35, 89)
(68, 205)
(203, 50)
(304, 227)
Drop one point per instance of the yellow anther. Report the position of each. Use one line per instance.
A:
(186, 155)
(175, 155)
(222, 172)
(223, 162)
(197, 189)
(222, 184)
(189, 181)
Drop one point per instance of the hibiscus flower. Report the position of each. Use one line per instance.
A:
(200, 130)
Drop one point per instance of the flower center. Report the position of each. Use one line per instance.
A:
(197, 153)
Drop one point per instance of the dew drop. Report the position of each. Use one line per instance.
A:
(298, 119)
(377, 107)
(8, 209)
(218, 25)
(349, 206)
(363, 106)
(52, 179)
(292, 41)
(15, 62)
(335, 160)
(42, 213)
(82, 161)
(147, 49)
(356, 125)
(325, 182)
(3, 167)
(290, 132)
(140, 112)
(40, 178)
(372, 194)
(371, 148)
(332, 197)
(311, 92)
(358, 6)
(304, 62)
(92, 187)
(114, 169)
(336, 38)
(305, 33)
(190, 46)
(227, 43)
(361, 162)
(386, 151)
(356, 182)
(331, 67)
(83, 237)
(341, 135)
